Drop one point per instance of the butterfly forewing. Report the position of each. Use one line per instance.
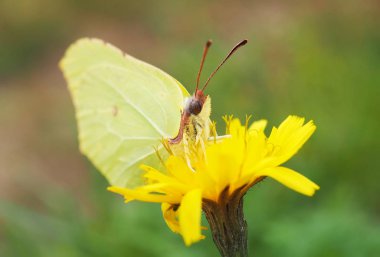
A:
(124, 107)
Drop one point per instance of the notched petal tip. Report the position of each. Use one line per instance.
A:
(258, 125)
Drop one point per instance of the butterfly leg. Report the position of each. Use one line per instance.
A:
(184, 121)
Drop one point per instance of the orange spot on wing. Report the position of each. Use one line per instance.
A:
(115, 110)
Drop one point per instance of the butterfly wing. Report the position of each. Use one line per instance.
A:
(124, 107)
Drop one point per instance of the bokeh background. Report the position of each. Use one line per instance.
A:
(318, 59)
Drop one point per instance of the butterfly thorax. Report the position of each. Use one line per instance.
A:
(195, 134)
(194, 128)
(198, 125)
(194, 118)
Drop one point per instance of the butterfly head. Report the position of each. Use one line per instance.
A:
(198, 102)
(195, 103)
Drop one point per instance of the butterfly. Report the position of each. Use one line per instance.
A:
(125, 107)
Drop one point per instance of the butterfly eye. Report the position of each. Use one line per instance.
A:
(195, 107)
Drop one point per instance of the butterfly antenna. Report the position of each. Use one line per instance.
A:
(242, 43)
(205, 50)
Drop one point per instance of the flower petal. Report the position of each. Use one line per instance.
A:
(142, 195)
(190, 212)
(258, 125)
(289, 137)
(170, 217)
(291, 179)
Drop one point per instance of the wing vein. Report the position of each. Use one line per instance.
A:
(143, 87)
(134, 107)
(128, 165)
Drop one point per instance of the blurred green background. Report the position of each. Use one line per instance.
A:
(317, 59)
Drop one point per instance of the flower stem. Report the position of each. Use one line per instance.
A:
(227, 223)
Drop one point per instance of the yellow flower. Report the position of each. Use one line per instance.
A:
(224, 172)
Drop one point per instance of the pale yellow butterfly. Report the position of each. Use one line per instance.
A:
(125, 107)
